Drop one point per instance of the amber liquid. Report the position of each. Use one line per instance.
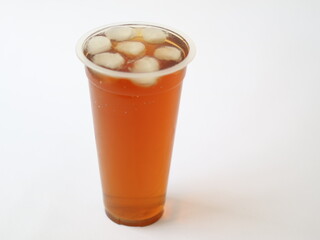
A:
(134, 129)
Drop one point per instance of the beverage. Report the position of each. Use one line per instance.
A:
(135, 75)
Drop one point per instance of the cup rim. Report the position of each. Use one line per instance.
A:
(133, 75)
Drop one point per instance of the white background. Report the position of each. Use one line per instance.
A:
(247, 151)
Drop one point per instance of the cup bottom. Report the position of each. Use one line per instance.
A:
(134, 223)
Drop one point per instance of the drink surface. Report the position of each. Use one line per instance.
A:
(136, 49)
(135, 118)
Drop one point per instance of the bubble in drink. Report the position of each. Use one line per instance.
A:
(109, 60)
(98, 44)
(168, 53)
(146, 64)
(130, 48)
(120, 33)
(153, 35)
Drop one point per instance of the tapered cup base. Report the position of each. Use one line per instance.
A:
(134, 223)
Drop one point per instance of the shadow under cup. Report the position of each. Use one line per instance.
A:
(134, 127)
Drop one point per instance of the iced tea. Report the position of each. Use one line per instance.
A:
(135, 83)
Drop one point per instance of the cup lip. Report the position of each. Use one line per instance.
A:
(134, 75)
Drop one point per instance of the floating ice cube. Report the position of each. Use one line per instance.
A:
(145, 82)
(153, 35)
(131, 48)
(109, 60)
(146, 64)
(98, 44)
(120, 33)
(168, 53)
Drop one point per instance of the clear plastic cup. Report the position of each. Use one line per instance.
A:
(135, 117)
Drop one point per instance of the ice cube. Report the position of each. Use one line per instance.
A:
(145, 82)
(145, 64)
(130, 48)
(109, 60)
(153, 35)
(98, 44)
(120, 33)
(168, 53)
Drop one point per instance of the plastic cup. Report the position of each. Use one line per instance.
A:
(134, 120)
